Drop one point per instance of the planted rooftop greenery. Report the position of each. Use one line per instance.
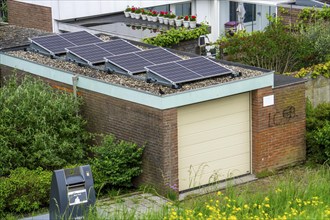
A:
(175, 36)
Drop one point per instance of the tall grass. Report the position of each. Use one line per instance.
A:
(296, 194)
(299, 193)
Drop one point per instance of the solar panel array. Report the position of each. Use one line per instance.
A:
(56, 44)
(186, 71)
(121, 56)
(133, 63)
(95, 53)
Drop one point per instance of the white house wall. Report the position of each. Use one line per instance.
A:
(69, 9)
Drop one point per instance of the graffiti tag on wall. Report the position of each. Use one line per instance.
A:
(282, 117)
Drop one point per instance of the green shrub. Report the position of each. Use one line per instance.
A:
(318, 133)
(115, 163)
(175, 36)
(24, 190)
(322, 69)
(318, 34)
(311, 15)
(275, 48)
(39, 127)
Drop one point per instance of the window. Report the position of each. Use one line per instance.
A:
(250, 14)
(183, 9)
(160, 8)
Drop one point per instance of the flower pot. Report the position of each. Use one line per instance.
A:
(144, 17)
(161, 20)
(186, 24)
(149, 17)
(154, 18)
(171, 21)
(126, 14)
(192, 24)
(132, 14)
(178, 22)
(137, 16)
(165, 20)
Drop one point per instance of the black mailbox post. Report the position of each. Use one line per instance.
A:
(72, 193)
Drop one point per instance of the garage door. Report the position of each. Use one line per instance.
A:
(213, 141)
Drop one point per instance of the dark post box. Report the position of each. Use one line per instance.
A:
(72, 193)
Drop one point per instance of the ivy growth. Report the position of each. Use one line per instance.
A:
(175, 36)
(311, 15)
(322, 69)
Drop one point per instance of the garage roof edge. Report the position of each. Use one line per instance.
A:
(142, 97)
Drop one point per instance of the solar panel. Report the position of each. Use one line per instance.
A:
(133, 63)
(56, 44)
(53, 44)
(81, 38)
(185, 71)
(120, 46)
(95, 53)
(128, 63)
(159, 55)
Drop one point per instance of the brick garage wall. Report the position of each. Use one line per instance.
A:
(278, 131)
(30, 15)
(289, 15)
(156, 129)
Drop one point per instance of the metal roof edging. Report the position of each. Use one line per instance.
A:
(138, 96)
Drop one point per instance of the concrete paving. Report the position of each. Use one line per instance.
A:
(137, 203)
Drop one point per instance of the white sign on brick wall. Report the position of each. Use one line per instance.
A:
(268, 100)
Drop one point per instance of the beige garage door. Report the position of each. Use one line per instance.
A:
(214, 141)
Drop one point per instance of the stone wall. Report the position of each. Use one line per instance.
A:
(30, 15)
(278, 131)
(318, 90)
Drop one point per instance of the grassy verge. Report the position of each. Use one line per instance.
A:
(299, 193)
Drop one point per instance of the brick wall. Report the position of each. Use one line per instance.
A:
(156, 129)
(30, 15)
(278, 131)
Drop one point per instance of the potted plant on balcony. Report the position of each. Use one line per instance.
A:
(144, 14)
(186, 21)
(149, 15)
(127, 11)
(178, 21)
(166, 17)
(161, 17)
(138, 13)
(171, 18)
(192, 22)
(133, 12)
(154, 16)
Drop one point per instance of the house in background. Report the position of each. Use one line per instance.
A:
(48, 14)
